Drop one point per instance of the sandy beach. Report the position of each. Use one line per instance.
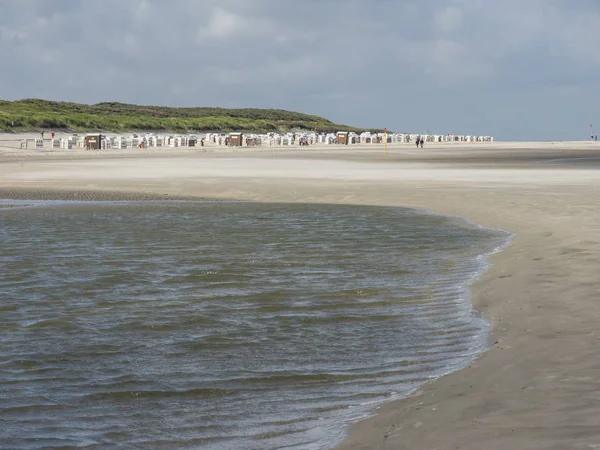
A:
(538, 386)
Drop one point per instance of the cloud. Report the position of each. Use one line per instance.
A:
(448, 19)
(515, 68)
(223, 24)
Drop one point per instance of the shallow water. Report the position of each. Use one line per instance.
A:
(592, 162)
(225, 325)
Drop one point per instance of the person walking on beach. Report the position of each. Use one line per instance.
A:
(422, 141)
(418, 141)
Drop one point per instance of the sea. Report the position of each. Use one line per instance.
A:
(226, 325)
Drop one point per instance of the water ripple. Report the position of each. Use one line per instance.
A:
(225, 325)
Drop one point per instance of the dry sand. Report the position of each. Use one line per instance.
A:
(539, 385)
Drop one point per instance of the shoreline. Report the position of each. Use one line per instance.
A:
(103, 197)
(91, 196)
(535, 388)
(50, 198)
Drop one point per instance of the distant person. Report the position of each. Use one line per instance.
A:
(42, 133)
(418, 141)
(52, 133)
(422, 141)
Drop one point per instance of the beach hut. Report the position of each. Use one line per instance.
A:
(172, 142)
(136, 140)
(253, 140)
(401, 138)
(236, 139)
(342, 137)
(154, 141)
(66, 144)
(119, 142)
(93, 141)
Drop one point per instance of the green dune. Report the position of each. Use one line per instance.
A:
(33, 114)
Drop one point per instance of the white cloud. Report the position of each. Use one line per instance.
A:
(357, 61)
(448, 19)
(223, 24)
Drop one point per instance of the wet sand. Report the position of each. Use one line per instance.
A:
(537, 387)
(25, 193)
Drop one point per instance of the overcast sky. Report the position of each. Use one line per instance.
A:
(514, 69)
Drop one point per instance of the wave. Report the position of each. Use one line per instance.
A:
(127, 396)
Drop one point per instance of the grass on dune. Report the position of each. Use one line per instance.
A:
(33, 114)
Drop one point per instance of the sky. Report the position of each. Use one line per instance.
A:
(512, 69)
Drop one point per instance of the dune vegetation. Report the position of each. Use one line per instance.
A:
(33, 114)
